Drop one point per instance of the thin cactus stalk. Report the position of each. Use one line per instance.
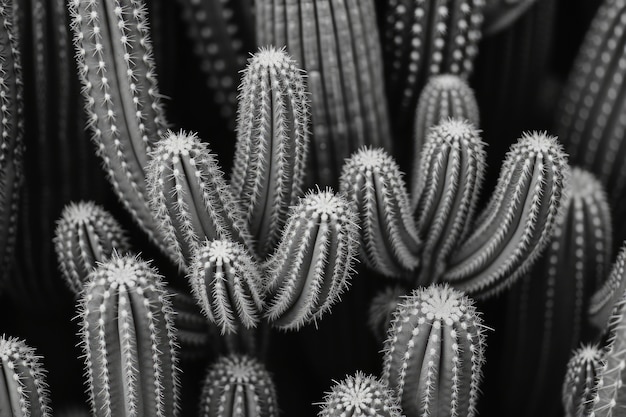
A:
(313, 262)
(382, 307)
(604, 299)
(190, 197)
(129, 341)
(389, 240)
(360, 396)
(85, 235)
(445, 194)
(500, 14)
(434, 353)
(517, 223)
(272, 143)
(238, 386)
(579, 386)
(23, 387)
(336, 42)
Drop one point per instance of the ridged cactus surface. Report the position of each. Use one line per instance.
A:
(603, 300)
(579, 386)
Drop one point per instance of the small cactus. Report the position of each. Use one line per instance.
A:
(580, 382)
(381, 310)
(603, 300)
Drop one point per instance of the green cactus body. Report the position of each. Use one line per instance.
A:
(434, 353)
(85, 235)
(190, 197)
(23, 388)
(313, 262)
(381, 310)
(272, 141)
(360, 396)
(446, 190)
(517, 223)
(238, 386)
(604, 299)
(579, 386)
(336, 42)
(372, 181)
(129, 341)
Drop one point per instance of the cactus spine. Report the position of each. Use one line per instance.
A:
(579, 386)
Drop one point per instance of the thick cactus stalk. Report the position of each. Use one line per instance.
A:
(313, 262)
(23, 387)
(579, 386)
(389, 241)
(336, 42)
(238, 386)
(517, 223)
(434, 353)
(85, 235)
(382, 307)
(129, 341)
(445, 193)
(190, 197)
(360, 396)
(272, 142)
(604, 299)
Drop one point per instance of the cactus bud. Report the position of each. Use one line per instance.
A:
(603, 301)
(580, 382)
(381, 310)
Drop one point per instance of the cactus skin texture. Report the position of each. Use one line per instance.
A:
(446, 190)
(190, 197)
(337, 43)
(115, 65)
(603, 301)
(579, 386)
(360, 396)
(129, 341)
(272, 141)
(313, 262)
(517, 223)
(381, 310)
(238, 386)
(389, 239)
(434, 353)
(23, 387)
(85, 235)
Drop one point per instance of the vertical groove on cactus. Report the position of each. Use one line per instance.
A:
(603, 300)
(389, 240)
(517, 223)
(336, 42)
(129, 341)
(272, 141)
(580, 382)
(313, 262)
(381, 310)
(238, 385)
(434, 353)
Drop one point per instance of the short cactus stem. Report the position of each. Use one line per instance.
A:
(446, 188)
(603, 300)
(313, 262)
(238, 386)
(360, 396)
(129, 341)
(580, 382)
(24, 391)
(381, 310)
(389, 241)
(190, 197)
(85, 235)
(434, 353)
(517, 223)
(272, 142)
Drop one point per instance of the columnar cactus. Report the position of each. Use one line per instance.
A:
(434, 353)
(360, 396)
(337, 43)
(272, 141)
(313, 262)
(24, 388)
(238, 386)
(603, 300)
(579, 386)
(381, 310)
(129, 341)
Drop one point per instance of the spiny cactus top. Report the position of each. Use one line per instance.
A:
(238, 386)
(360, 396)
(24, 388)
(314, 260)
(580, 382)
(272, 141)
(85, 235)
(434, 353)
(603, 301)
(129, 341)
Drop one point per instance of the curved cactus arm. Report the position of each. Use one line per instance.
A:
(580, 384)
(272, 142)
(382, 307)
(517, 223)
(603, 301)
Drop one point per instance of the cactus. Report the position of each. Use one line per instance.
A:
(194, 335)
(434, 353)
(272, 141)
(313, 262)
(129, 341)
(517, 223)
(336, 42)
(381, 310)
(360, 396)
(238, 386)
(603, 300)
(580, 382)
